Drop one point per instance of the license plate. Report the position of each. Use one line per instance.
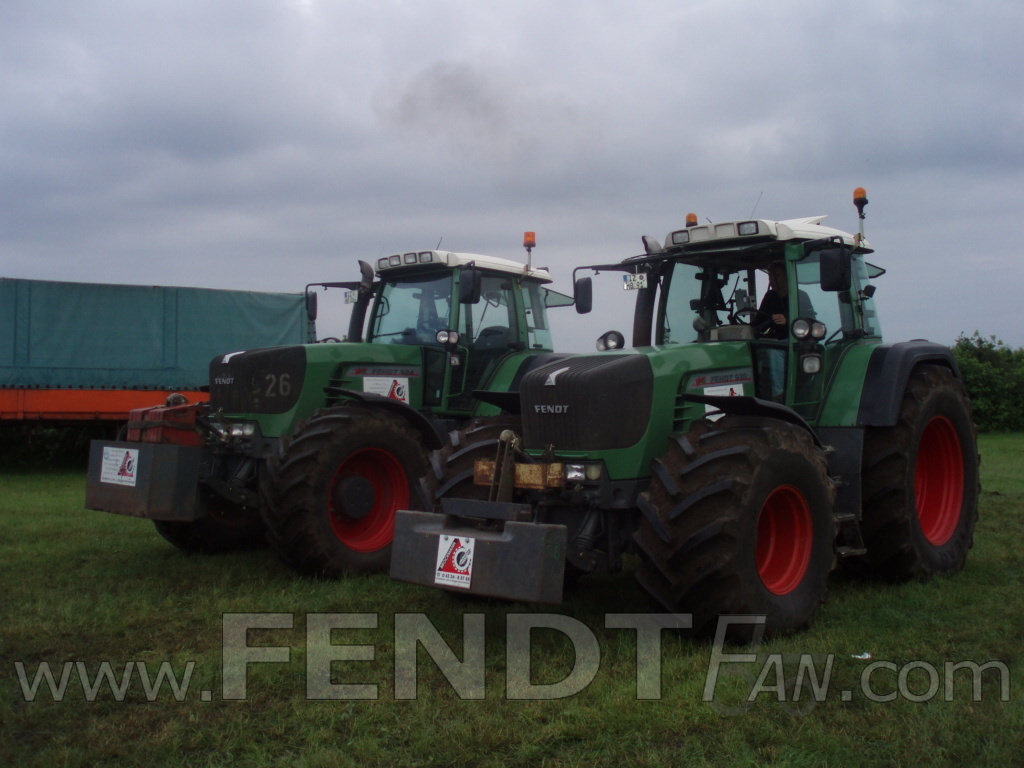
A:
(634, 282)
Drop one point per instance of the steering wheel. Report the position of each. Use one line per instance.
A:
(759, 328)
(329, 340)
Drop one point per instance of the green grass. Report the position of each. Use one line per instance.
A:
(91, 587)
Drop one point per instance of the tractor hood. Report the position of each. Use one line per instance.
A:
(266, 381)
(587, 403)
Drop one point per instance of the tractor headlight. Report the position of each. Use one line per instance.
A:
(611, 340)
(242, 429)
(818, 330)
(810, 364)
(578, 473)
(801, 328)
(447, 337)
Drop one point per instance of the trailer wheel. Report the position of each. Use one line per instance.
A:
(920, 480)
(739, 520)
(229, 528)
(330, 499)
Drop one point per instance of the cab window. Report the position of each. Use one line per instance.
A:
(680, 306)
(412, 310)
(824, 306)
(490, 323)
(538, 331)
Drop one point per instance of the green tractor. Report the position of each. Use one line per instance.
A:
(741, 449)
(316, 446)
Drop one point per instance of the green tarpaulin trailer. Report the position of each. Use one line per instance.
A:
(88, 351)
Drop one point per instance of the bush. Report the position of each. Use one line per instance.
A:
(37, 446)
(994, 374)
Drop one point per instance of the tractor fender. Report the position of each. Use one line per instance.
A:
(886, 379)
(432, 436)
(754, 406)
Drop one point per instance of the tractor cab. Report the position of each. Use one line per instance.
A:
(462, 315)
(795, 292)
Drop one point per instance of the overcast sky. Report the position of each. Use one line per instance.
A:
(264, 144)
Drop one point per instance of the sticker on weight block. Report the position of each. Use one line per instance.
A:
(454, 561)
(120, 466)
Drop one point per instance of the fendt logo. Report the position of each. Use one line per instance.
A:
(553, 376)
(551, 409)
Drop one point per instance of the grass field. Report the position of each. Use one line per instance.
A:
(87, 588)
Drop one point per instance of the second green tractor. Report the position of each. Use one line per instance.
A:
(742, 449)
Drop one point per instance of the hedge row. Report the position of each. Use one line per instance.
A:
(994, 375)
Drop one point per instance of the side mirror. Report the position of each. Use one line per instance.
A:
(470, 281)
(311, 305)
(835, 269)
(583, 295)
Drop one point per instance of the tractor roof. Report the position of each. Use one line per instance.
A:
(737, 233)
(420, 259)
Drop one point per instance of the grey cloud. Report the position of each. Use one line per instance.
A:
(264, 144)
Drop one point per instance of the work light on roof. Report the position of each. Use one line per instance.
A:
(395, 261)
(426, 257)
(697, 234)
(410, 258)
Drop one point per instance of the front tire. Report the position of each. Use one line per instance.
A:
(739, 520)
(921, 483)
(227, 528)
(330, 500)
(451, 467)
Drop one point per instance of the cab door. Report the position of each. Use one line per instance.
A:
(814, 358)
(488, 332)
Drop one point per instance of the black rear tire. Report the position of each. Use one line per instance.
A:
(739, 520)
(921, 483)
(330, 499)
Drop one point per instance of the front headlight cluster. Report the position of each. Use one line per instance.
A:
(804, 327)
(578, 473)
(242, 429)
(447, 337)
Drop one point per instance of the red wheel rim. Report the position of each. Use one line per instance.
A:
(784, 540)
(939, 480)
(386, 474)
